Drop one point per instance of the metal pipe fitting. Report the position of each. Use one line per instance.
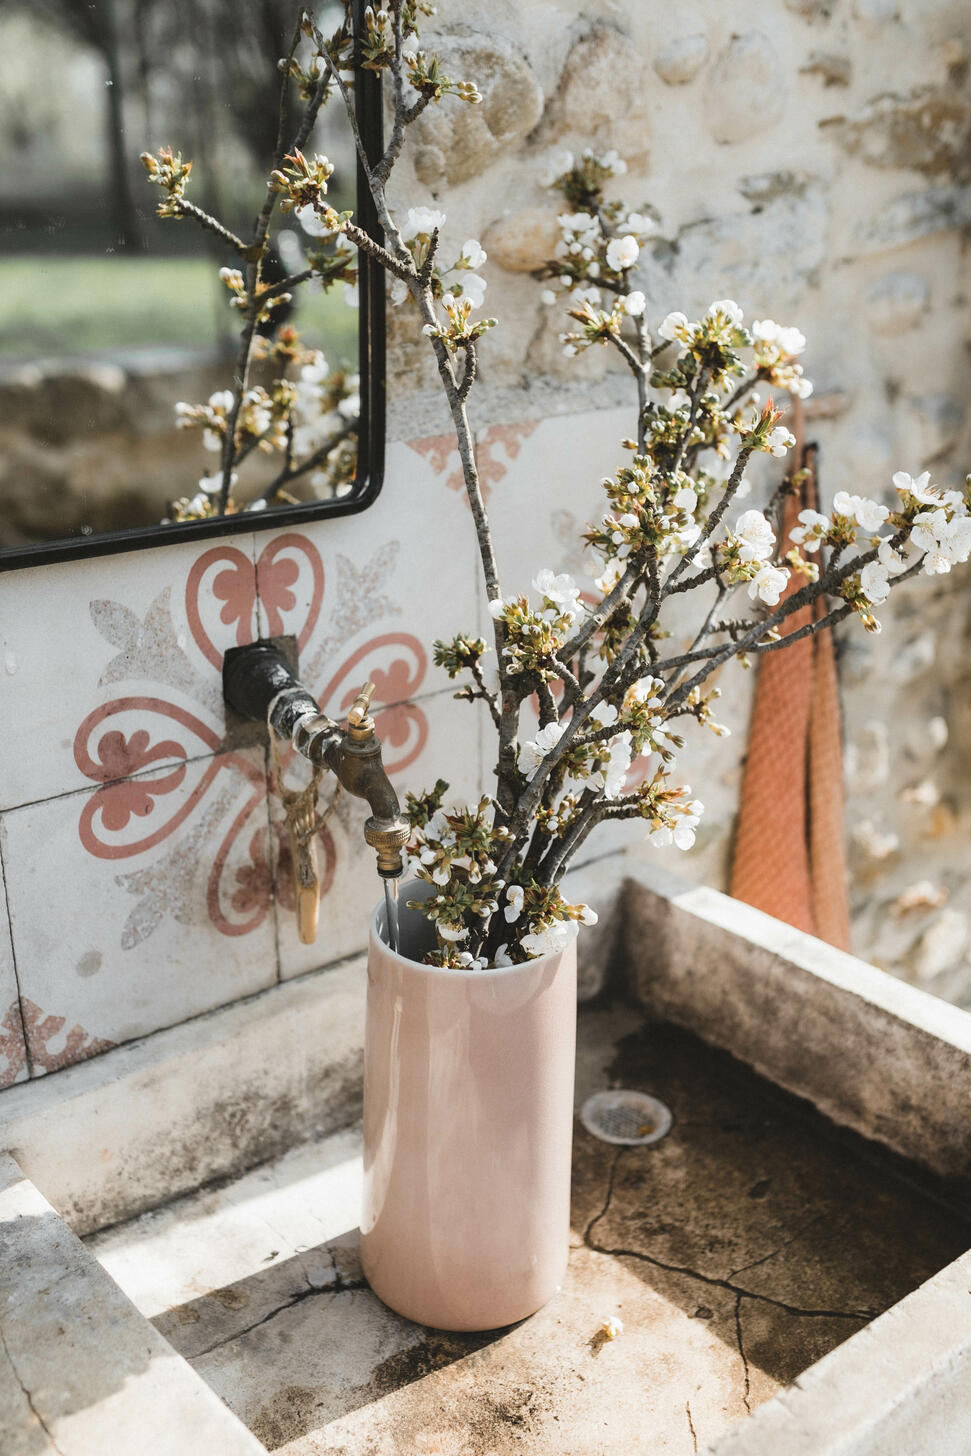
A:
(258, 684)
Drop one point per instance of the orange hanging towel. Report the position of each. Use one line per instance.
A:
(789, 856)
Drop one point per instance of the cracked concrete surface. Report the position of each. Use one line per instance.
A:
(737, 1252)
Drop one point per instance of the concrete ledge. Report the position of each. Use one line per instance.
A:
(82, 1373)
(126, 1131)
(871, 1052)
(900, 1387)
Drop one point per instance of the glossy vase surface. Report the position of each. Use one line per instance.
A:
(468, 1126)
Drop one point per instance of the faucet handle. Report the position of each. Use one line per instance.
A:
(359, 708)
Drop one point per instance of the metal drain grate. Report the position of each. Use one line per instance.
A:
(628, 1118)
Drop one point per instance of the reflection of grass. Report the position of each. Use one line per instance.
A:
(82, 305)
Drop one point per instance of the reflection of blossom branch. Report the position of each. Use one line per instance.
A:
(252, 419)
(318, 458)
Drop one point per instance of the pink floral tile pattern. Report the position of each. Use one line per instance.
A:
(143, 772)
(140, 933)
(496, 447)
(77, 637)
(51, 1047)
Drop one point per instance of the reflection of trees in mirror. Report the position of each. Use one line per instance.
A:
(108, 314)
(305, 414)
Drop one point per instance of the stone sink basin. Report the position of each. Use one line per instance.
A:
(789, 1263)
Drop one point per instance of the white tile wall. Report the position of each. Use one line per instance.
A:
(139, 856)
(116, 943)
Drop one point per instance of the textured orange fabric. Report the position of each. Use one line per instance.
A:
(789, 856)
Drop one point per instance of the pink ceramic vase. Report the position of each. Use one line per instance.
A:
(468, 1127)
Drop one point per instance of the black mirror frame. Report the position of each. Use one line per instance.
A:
(371, 431)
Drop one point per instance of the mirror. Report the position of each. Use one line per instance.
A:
(121, 330)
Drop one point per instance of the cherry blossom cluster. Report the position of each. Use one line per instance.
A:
(585, 681)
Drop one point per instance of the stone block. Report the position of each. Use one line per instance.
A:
(897, 301)
(873, 1054)
(681, 59)
(746, 93)
(458, 141)
(136, 1126)
(82, 1373)
(927, 130)
(602, 98)
(523, 241)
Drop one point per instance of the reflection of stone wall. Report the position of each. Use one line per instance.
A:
(95, 445)
(810, 160)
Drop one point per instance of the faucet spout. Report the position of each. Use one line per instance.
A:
(258, 683)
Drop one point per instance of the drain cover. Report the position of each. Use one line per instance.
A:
(629, 1118)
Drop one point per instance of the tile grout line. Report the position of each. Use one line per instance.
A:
(166, 765)
(146, 1036)
(13, 959)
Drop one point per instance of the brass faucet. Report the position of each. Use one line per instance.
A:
(258, 684)
(354, 757)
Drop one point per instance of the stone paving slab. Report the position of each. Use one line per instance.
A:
(737, 1252)
(82, 1373)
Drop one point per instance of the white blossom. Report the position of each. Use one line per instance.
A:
(514, 907)
(612, 160)
(611, 1328)
(534, 750)
(809, 533)
(605, 714)
(309, 219)
(222, 400)
(755, 535)
(633, 303)
(920, 488)
(556, 164)
(421, 221)
(780, 440)
(473, 253)
(682, 835)
(890, 558)
(399, 291)
(474, 288)
(874, 584)
(726, 308)
(587, 916)
(637, 222)
(867, 513)
(622, 253)
(610, 576)
(673, 326)
(768, 583)
(791, 341)
(451, 932)
(550, 941)
(613, 773)
(548, 296)
(945, 542)
(561, 590)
